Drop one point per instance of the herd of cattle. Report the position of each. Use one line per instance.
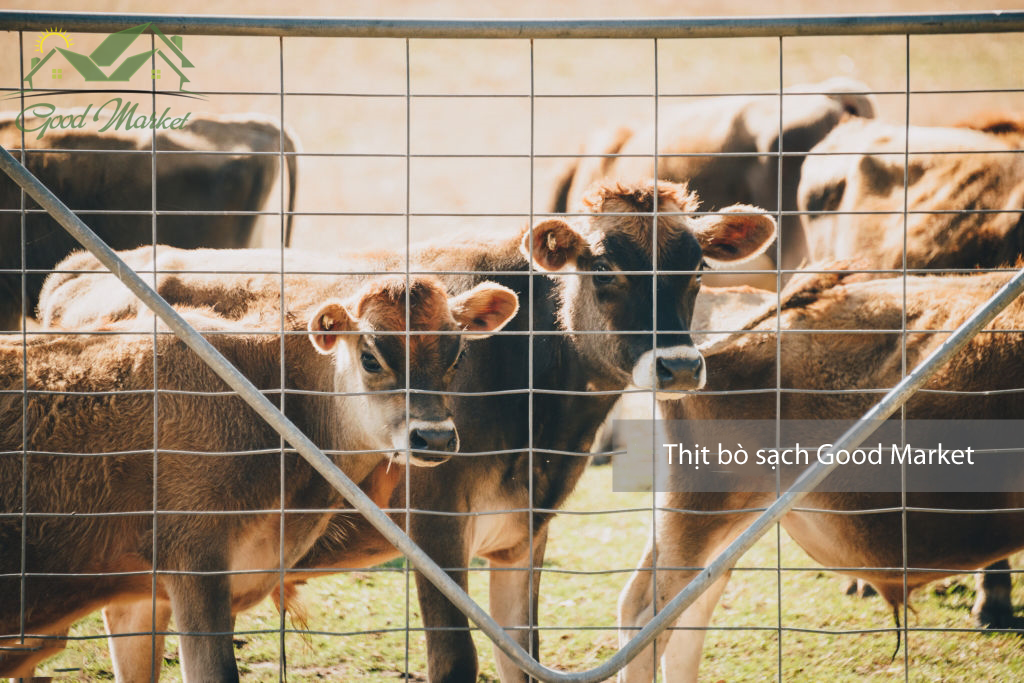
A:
(510, 351)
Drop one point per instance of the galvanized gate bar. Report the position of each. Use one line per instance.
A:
(423, 563)
(995, 21)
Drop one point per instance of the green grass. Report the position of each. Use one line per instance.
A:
(589, 559)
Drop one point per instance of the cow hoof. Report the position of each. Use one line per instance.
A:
(995, 614)
(860, 588)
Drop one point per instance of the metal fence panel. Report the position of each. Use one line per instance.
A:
(649, 30)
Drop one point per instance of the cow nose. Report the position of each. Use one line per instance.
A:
(671, 368)
(434, 439)
(681, 373)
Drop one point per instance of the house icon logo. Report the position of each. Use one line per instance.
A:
(108, 52)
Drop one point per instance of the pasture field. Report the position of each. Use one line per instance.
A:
(577, 615)
(580, 86)
(472, 151)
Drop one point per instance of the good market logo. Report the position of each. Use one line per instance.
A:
(116, 113)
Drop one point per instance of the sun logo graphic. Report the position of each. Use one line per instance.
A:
(108, 52)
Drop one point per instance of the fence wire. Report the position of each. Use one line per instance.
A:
(270, 404)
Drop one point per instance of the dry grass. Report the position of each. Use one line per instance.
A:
(820, 638)
(445, 126)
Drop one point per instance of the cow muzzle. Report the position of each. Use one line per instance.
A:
(676, 368)
(431, 443)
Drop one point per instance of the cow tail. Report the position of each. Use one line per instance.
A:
(291, 147)
(896, 618)
(559, 202)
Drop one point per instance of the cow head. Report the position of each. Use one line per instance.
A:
(606, 253)
(375, 351)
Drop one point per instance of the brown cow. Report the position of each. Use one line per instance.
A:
(93, 171)
(744, 134)
(105, 535)
(578, 286)
(965, 193)
(939, 543)
(958, 181)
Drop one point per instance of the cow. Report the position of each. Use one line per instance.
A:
(589, 293)
(812, 359)
(91, 453)
(964, 195)
(232, 169)
(726, 149)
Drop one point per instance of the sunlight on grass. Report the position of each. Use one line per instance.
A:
(357, 619)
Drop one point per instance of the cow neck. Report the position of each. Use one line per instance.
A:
(561, 422)
(258, 356)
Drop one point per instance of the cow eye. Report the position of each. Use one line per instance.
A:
(458, 358)
(603, 274)
(370, 362)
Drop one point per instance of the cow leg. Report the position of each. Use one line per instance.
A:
(202, 605)
(993, 607)
(513, 602)
(451, 654)
(858, 587)
(681, 541)
(635, 610)
(680, 651)
(22, 666)
(137, 658)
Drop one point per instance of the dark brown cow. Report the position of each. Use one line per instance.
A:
(577, 287)
(744, 133)
(347, 351)
(943, 542)
(116, 175)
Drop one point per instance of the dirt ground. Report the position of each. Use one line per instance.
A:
(470, 166)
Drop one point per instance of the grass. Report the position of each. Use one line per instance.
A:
(357, 620)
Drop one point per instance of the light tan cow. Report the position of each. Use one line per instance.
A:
(726, 149)
(963, 190)
(91, 537)
(964, 195)
(815, 359)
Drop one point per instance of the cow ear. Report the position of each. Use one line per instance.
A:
(555, 245)
(484, 309)
(330, 317)
(736, 233)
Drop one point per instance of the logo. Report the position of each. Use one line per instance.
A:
(106, 64)
(107, 53)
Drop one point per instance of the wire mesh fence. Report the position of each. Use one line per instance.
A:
(404, 138)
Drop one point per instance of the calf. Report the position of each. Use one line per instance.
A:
(88, 525)
(963, 189)
(592, 309)
(112, 171)
(865, 545)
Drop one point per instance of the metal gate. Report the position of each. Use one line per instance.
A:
(524, 36)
